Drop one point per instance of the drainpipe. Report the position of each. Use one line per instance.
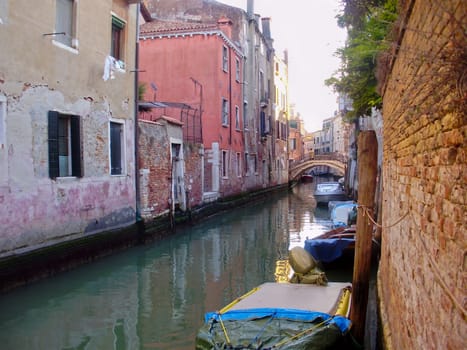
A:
(137, 183)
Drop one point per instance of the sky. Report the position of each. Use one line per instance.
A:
(308, 30)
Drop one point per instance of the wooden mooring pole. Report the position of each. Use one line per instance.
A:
(367, 171)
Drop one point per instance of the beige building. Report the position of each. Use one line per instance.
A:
(281, 115)
(67, 116)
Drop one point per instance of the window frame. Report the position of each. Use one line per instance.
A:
(67, 40)
(74, 145)
(225, 112)
(239, 164)
(246, 164)
(237, 70)
(237, 118)
(225, 164)
(3, 102)
(245, 113)
(225, 58)
(117, 27)
(120, 148)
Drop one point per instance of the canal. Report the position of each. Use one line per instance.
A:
(155, 296)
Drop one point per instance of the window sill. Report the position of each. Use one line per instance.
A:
(65, 47)
(63, 179)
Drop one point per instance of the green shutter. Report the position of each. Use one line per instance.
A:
(118, 22)
(76, 169)
(53, 144)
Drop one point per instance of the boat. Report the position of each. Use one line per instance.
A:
(307, 177)
(343, 213)
(332, 245)
(309, 314)
(329, 191)
(281, 316)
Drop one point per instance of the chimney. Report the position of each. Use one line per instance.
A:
(250, 9)
(225, 24)
(266, 23)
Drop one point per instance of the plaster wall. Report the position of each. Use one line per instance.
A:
(38, 75)
(171, 63)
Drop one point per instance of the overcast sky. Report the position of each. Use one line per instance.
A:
(308, 29)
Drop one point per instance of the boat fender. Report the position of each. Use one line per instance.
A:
(300, 260)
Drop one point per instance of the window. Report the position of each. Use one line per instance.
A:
(237, 69)
(225, 58)
(116, 45)
(2, 121)
(239, 164)
(65, 23)
(237, 118)
(292, 143)
(225, 112)
(64, 145)
(116, 148)
(245, 120)
(261, 85)
(225, 164)
(246, 163)
(255, 163)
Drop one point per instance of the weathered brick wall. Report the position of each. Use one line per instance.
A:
(422, 275)
(193, 155)
(155, 172)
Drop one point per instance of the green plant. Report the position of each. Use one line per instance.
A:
(368, 24)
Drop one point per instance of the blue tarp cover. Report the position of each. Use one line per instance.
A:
(327, 250)
(290, 314)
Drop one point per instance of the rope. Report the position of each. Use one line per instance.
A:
(368, 210)
(255, 339)
(227, 339)
(298, 335)
(438, 275)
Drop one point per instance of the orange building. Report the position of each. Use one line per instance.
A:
(200, 66)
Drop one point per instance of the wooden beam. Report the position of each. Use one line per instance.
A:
(367, 159)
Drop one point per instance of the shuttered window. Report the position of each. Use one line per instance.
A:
(116, 45)
(64, 139)
(116, 151)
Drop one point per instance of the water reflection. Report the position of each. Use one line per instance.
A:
(155, 296)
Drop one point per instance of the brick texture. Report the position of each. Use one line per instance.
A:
(422, 273)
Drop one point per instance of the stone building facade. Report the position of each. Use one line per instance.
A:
(252, 35)
(199, 65)
(67, 165)
(422, 275)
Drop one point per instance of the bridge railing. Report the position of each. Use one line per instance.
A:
(323, 156)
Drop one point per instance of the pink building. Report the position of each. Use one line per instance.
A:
(198, 65)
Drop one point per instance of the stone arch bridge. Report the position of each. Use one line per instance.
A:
(297, 168)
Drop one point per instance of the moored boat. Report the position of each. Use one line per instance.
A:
(329, 191)
(281, 316)
(307, 177)
(311, 313)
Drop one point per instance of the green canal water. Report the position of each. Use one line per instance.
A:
(155, 296)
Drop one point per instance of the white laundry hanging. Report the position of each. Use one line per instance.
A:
(109, 68)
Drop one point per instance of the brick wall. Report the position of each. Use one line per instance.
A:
(422, 275)
(155, 172)
(193, 154)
